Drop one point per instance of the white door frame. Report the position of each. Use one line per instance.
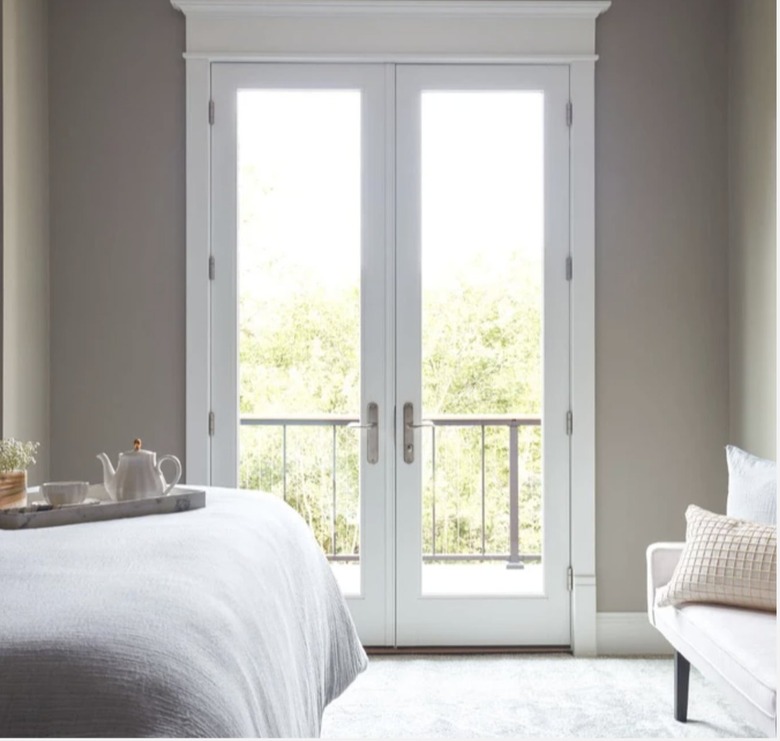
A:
(510, 31)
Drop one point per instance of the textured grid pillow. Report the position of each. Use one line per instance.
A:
(726, 561)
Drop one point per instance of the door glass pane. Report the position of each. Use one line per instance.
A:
(299, 237)
(482, 270)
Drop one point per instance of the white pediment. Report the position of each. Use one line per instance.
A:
(393, 29)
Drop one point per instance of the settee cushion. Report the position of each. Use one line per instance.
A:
(737, 646)
(752, 487)
(726, 561)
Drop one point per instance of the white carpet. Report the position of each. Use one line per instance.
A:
(525, 695)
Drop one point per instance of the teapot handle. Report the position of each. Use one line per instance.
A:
(177, 463)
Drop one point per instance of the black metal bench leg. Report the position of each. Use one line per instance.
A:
(682, 672)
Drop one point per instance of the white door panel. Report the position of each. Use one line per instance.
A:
(298, 163)
(482, 189)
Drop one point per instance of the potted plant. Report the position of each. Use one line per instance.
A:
(15, 458)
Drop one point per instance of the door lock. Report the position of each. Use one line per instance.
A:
(409, 428)
(372, 441)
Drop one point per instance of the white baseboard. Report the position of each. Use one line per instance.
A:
(629, 633)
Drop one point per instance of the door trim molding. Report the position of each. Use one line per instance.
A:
(534, 32)
(531, 28)
(588, 9)
(582, 246)
(389, 58)
(198, 299)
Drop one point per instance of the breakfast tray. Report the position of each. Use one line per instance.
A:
(181, 499)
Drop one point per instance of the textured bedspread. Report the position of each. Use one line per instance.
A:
(224, 621)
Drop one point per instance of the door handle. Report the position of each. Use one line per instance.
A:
(409, 428)
(372, 441)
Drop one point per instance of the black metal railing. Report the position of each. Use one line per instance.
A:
(513, 559)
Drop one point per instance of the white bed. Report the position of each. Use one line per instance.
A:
(225, 621)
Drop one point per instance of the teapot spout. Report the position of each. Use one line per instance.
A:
(109, 475)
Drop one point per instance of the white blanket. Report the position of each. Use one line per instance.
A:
(225, 621)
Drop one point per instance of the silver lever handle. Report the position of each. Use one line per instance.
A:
(372, 443)
(409, 428)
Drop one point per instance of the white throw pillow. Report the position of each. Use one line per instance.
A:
(752, 487)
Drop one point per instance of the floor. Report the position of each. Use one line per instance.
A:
(525, 695)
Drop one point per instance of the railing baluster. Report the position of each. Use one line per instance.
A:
(483, 490)
(333, 479)
(284, 462)
(433, 490)
(514, 561)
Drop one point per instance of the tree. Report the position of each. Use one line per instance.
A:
(299, 354)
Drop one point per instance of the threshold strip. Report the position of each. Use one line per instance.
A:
(463, 650)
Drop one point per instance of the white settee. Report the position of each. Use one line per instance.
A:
(733, 647)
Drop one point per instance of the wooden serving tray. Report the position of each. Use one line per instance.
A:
(181, 499)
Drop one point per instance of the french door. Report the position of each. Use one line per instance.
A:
(390, 333)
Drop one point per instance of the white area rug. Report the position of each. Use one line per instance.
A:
(525, 695)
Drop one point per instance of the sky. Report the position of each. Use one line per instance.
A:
(300, 182)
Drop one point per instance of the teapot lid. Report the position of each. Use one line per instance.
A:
(137, 449)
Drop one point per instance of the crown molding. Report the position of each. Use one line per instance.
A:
(582, 9)
(386, 58)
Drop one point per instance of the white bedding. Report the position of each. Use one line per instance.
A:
(225, 621)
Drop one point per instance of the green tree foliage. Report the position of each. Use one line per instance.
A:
(299, 356)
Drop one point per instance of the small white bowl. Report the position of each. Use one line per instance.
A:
(62, 493)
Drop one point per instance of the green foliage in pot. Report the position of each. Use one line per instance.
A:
(16, 455)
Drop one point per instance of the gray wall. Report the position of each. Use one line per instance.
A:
(117, 138)
(117, 230)
(752, 225)
(661, 281)
(25, 272)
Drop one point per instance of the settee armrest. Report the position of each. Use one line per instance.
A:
(661, 560)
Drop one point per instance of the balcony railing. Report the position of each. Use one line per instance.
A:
(514, 559)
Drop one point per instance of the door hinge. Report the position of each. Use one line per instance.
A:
(569, 113)
(211, 424)
(212, 268)
(569, 423)
(570, 579)
(568, 268)
(211, 112)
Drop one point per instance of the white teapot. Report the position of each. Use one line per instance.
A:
(138, 474)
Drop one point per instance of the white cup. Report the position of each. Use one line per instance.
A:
(60, 493)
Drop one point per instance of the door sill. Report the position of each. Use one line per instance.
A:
(463, 650)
